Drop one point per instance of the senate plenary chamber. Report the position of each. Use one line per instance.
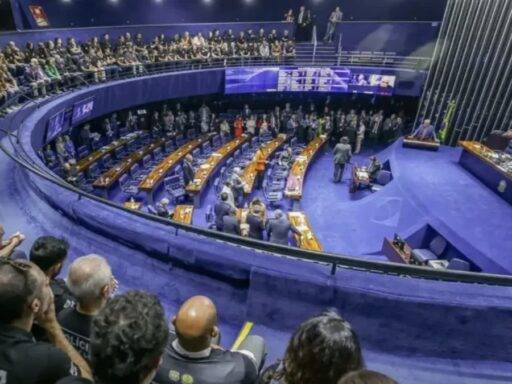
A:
(255, 191)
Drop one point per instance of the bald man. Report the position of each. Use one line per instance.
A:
(91, 282)
(191, 357)
(425, 131)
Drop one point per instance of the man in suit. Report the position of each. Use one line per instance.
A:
(279, 228)
(188, 169)
(303, 21)
(342, 154)
(425, 131)
(231, 224)
(237, 185)
(374, 167)
(256, 223)
(222, 208)
(162, 209)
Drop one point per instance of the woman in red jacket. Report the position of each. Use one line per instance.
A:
(239, 126)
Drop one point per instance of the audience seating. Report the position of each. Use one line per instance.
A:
(433, 252)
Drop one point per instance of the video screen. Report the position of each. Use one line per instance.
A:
(309, 79)
(56, 125)
(82, 110)
(251, 79)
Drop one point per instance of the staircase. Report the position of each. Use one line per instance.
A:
(325, 54)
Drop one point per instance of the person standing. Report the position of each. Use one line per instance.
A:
(334, 19)
(188, 169)
(342, 154)
(261, 163)
(360, 136)
(303, 21)
(279, 228)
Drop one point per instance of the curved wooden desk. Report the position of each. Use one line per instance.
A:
(155, 178)
(308, 240)
(249, 175)
(84, 163)
(183, 214)
(207, 169)
(107, 179)
(299, 168)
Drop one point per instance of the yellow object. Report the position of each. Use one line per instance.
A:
(244, 332)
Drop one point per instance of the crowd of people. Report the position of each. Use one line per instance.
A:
(54, 65)
(80, 330)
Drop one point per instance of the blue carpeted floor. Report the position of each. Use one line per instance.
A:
(339, 229)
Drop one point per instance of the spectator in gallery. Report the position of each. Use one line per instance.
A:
(289, 17)
(303, 22)
(225, 130)
(128, 340)
(49, 254)
(70, 147)
(53, 73)
(334, 19)
(221, 209)
(92, 283)
(322, 350)
(8, 247)
(26, 298)
(365, 376)
(36, 78)
(279, 228)
(191, 357)
(342, 155)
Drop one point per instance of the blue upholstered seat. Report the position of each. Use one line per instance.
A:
(383, 177)
(433, 252)
(456, 264)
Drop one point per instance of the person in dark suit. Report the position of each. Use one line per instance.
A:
(342, 154)
(374, 167)
(278, 228)
(163, 210)
(231, 224)
(222, 208)
(256, 221)
(188, 169)
(303, 22)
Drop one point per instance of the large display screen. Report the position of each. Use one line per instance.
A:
(56, 126)
(309, 79)
(82, 110)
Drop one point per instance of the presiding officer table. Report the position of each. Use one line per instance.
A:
(299, 168)
(249, 175)
(492, 168)
(154, 179)
(207, 169)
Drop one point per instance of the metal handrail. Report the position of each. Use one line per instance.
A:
(334, 260)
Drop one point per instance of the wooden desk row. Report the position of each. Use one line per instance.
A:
(153, 180)
(107, 179)
(84, 163)
(307, 240)
(207, 169)
(249, 175)
(299, 168)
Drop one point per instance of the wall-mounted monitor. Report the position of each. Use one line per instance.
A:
(82, 110)
(56, 125)
(373, 81)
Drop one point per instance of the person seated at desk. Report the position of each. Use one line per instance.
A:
(374, 168)
(192, 356)
(222, 208)
(425, 132)
(188, 169)
(163, 210)
(256, 221)
(278, 228)
(285, 158)
(231, 224)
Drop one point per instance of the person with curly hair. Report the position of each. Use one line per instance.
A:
(322, 349)
(128, 339)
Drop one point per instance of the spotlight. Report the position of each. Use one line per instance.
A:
(207, 1)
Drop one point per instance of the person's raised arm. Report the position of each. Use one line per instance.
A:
(11, 245)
